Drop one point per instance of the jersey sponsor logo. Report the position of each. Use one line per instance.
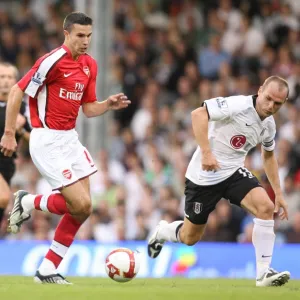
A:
(79, 86)
(65, 94)
(38, 78)
(67, 174)
(77, 95)
(67, 74)
(86, 70)
(222, 103)
(198, 207)
(238, 141)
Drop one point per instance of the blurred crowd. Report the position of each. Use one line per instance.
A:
(168, 57)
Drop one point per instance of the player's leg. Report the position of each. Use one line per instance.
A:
(79, 204)
(55, 203)
(7, 171)
(177, 232)
(64, 171)
(5, 196)
(200, 201)
(61, 170)
(259, 204)
(245, 190)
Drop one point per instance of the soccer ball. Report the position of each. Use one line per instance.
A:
(122, 264)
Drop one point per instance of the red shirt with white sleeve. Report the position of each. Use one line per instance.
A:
(57, 85)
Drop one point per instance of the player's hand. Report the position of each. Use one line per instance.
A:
(281, 203)
(117, 101)
(20, 122)
(209, 162)
(8, 144)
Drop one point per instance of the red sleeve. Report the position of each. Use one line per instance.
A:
(90, 92)
(31, 77)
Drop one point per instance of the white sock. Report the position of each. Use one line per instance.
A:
(47, 267)
(169, 232)
(28, 202)
(263, 239)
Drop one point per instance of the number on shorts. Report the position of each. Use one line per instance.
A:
(245, 172)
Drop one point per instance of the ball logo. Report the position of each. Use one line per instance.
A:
(238, 141)
(86, 70)
(67, 174)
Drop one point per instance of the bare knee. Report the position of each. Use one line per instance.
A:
(265, 210)
(81, 208)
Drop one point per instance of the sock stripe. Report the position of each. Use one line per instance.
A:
(59, 248)
(43, 203)
(54, 258)
(37, 201)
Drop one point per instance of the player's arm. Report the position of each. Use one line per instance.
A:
(200, 118)
(93, 108)
(271, 168)
(8, 142)
(23, 126)
(113, 102)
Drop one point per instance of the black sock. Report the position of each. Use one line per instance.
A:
(177, 231)
(1, 214)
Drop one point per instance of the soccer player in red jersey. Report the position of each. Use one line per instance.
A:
(57, 85)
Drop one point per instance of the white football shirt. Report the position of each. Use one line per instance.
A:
(234, 128)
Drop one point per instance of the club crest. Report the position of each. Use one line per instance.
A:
(86, 70)
(198, 207)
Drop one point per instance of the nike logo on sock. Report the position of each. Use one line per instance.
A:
(266, 256)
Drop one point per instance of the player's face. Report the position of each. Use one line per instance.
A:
(7, 79)
(79, 38)
(270, 99)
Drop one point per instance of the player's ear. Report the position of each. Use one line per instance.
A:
(66, 34)
(260, 90)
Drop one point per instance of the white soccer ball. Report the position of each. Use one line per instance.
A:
(122, 264)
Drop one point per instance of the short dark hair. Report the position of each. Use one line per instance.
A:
(282, 83)
(76, 18)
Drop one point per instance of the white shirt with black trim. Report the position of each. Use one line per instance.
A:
(234, 128)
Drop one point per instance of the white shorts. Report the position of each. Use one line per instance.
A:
(60, 157)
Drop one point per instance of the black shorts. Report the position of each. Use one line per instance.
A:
(201, 200)
(7, 169)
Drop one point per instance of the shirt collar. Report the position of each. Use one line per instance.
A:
(67, 49)
(254, 97)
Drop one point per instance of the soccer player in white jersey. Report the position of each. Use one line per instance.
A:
(59, 84)
(225, 130)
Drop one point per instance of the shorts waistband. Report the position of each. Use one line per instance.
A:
(70, 131)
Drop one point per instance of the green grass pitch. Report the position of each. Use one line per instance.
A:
(15, 288)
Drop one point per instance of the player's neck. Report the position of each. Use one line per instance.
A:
(256, 108)
(74, 55)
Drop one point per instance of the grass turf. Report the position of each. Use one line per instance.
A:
(16, 287)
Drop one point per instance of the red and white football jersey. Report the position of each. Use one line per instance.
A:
(234, 128)
(57, 85)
